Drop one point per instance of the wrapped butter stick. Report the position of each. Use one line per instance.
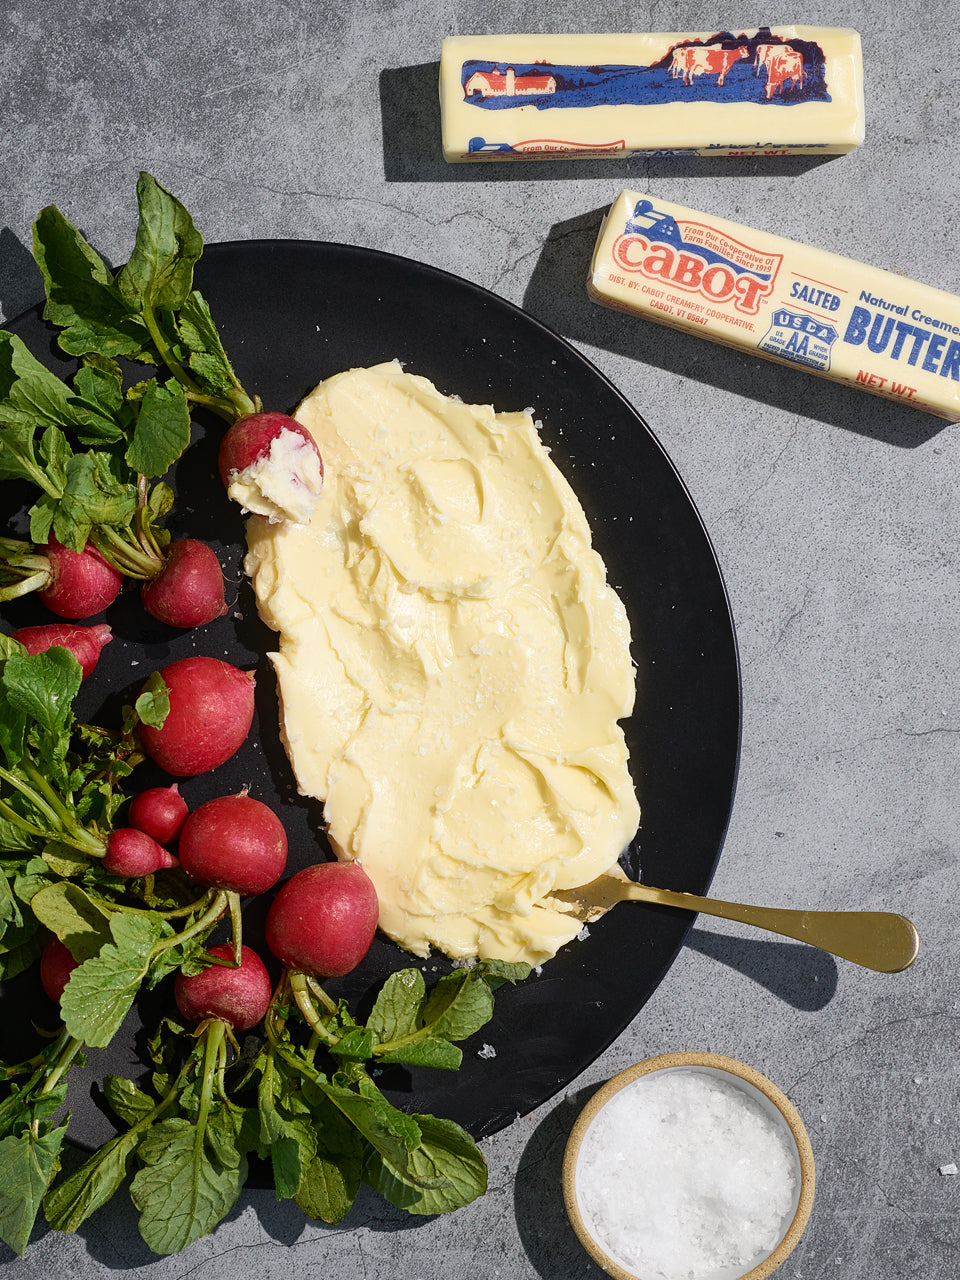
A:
(780, 299)
(764, 91)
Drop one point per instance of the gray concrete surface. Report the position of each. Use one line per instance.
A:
(833, 515)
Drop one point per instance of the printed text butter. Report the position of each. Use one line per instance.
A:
(782, 300)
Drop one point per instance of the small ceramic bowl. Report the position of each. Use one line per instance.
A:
(776, 1113)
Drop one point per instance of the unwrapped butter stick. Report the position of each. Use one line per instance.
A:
(764, 91)
(780, 299)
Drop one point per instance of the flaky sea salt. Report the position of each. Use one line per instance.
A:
(683, 1174)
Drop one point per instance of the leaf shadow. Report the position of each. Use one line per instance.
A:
(110, 1236)
(284, 1222)
(21, 284)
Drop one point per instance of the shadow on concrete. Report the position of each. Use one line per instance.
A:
(111, 1236)
(542, 1223)
(801, 976)
(412, 152)
(556, 294)
(21, 284)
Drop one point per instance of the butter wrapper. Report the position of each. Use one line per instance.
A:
(780, 299)
(764, 91)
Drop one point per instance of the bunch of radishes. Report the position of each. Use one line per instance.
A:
(232, 843)
(267, 455)
(323, 920)
(267, 459)
(182, 585)
(320, 925)
(184, 589)
(271, 465)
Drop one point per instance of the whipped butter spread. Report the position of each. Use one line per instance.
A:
(452, 666)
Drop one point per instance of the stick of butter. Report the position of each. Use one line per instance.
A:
(766, 91)
(786, 301)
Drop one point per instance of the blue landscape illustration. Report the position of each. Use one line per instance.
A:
(725, 68)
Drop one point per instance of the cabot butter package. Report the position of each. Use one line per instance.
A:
(764, 91)
(782, 300)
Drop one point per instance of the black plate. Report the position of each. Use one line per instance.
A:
(290, 314)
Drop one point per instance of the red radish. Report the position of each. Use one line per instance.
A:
(237, 996)
(249, 440)
(211, 711)
(56, 966)
(133, 853)
(81, 583)
(85, 643)
(270, 464)
(160, 812)
(188, 591)
(323, 919)
(235, 843)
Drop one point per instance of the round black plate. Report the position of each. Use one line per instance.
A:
(292, 313)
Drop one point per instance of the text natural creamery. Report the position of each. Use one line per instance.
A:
(452, 666)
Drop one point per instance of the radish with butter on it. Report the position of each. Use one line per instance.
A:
(271, 466)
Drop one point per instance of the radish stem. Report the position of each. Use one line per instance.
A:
(300, 988)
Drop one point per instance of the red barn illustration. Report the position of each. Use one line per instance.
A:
(507, 84)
